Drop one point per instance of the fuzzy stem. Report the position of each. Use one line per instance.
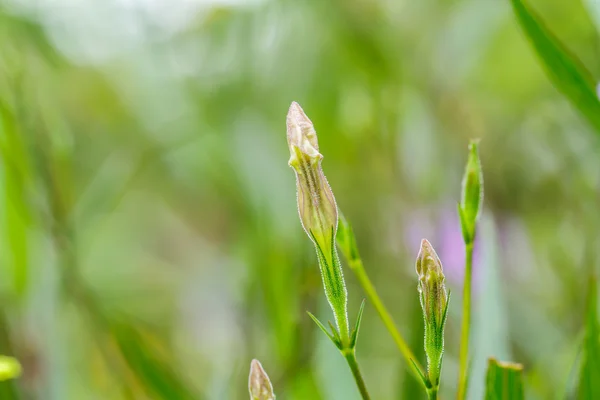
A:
(466, 323)
(357, 266)
(350, 356)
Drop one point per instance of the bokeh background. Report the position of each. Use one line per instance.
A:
(150, 245)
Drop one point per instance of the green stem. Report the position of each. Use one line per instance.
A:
(466, 323)
(357, 266)
(432, 394)
(350, 356)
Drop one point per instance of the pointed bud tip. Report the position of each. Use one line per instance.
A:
(425, 244)
(297, 115)
(301, 134)
(259, 384)
(427, 258)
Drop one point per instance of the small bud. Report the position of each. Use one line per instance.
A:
(9, 368)
(259, 384)
(434, 302)
(472, 193)
(318, 211)
(316, 204)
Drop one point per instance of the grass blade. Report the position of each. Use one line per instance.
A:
(156, 375)
(563, 68)
(590, 369)
(504, 381)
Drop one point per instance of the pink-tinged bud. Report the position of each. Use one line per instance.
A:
(431, 282)
(259, 383)
(434, 302)
(316, 203)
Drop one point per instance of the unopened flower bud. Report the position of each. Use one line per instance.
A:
(434, 302)
(317, 209)
(259, 384)
(472, 193)
(316, 204)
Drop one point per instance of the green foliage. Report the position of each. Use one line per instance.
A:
(17, 218)
(504, 381)
(153, 370)
(563, 68)
(590, 368)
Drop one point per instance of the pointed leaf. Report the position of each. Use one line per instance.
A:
(563, 68)
(590, 370)
(322, 327)
(463, 225)
(426, 382)
(354, 336)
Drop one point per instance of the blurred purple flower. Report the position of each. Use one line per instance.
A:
(442, 229)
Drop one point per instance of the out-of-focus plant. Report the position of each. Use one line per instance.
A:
(10, 368)
(564, 69)
(504, 381)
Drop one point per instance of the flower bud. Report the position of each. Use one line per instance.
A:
(259, 383)
(434, 302)
(316, 204)
(317, 209)
(472, 193)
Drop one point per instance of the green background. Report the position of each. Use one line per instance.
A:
(150, 245)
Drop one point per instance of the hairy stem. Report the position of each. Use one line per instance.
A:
(466, 324)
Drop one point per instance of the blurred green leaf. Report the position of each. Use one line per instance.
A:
(504, 381)
(156, 375)
(8, 389)
(10, 368)
(563, 68)
(12, 150)
(590, 371)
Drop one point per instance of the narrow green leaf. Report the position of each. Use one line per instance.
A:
(590, 369)
(156, 375)
(354, 335)
(333, 339)
(426, 382)
(463, 225)
(334, 332)
(346, 240)
(504, 381)
(13, 160)
(563, 68)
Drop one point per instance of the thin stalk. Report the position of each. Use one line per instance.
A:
(350, 356)
(357, 266)
(466, 324)
(432, 394)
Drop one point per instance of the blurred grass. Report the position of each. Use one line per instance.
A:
(150, 242)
